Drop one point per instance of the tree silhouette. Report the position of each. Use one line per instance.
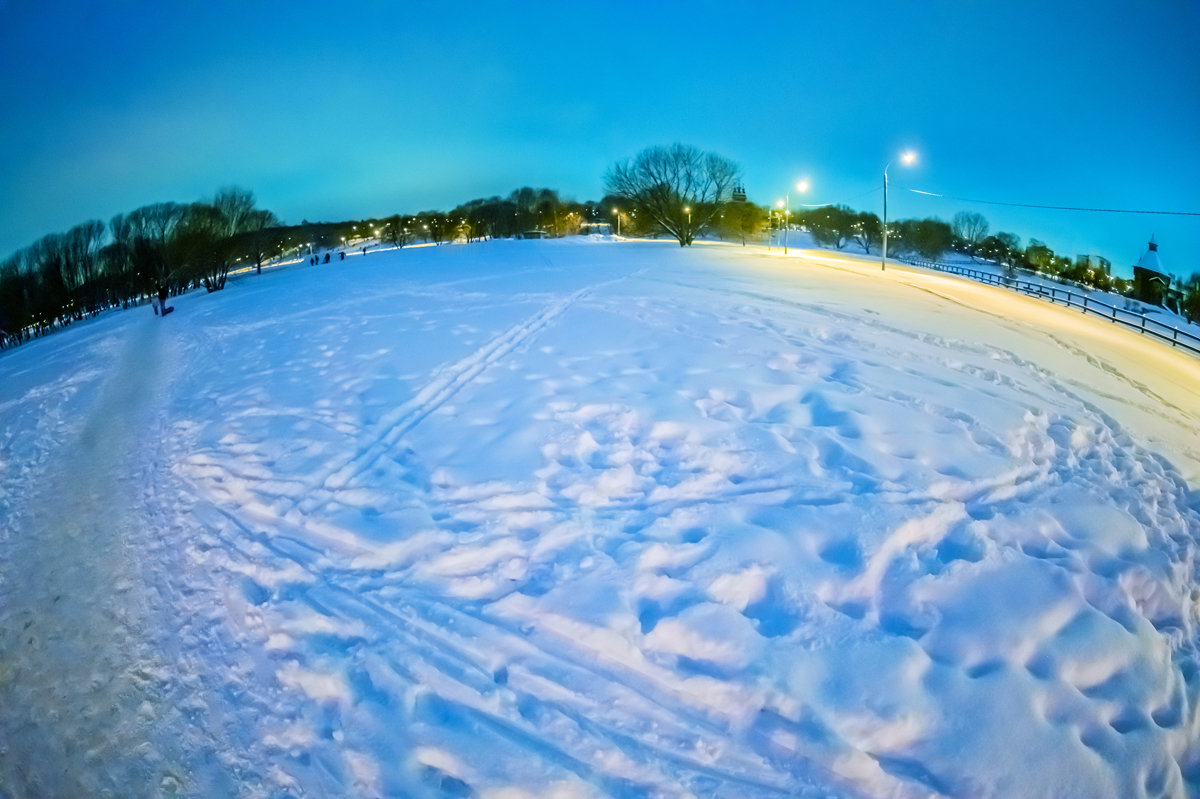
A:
(681, 189)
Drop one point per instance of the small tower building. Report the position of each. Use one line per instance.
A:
(1151, 284)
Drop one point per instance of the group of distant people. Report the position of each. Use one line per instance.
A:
(316, 259)
(159, 299)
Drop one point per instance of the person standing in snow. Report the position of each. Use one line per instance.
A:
(164, 309)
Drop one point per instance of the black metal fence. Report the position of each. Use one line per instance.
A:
(1137, 320)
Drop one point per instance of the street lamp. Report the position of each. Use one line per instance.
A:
(907, 158)
(687, 209)
(779, 206)
(617, 214)
(802, 186)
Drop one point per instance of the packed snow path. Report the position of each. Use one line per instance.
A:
(576, 519)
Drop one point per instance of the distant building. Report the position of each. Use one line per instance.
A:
(1151, 284)
(1097, 263)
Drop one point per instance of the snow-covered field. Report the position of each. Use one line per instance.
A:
(579, 518)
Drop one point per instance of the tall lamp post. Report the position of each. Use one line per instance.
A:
(617, 214)
(687, 209)
(907, 158)
(802, 186)
(779, 205)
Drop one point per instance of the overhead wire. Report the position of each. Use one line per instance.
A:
(1057, 207)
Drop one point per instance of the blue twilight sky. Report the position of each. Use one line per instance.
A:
(341, 110)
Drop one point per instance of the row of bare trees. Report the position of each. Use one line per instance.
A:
(64, 277)
(683, 192)
(676, 190)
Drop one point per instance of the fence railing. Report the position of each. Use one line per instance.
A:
(1136, 320)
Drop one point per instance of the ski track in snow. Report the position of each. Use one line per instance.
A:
(447, 383)
(664, 526)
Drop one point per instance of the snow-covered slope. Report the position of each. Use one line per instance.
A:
(582, 519)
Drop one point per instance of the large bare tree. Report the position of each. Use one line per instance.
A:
(141, 238)
(210, 233)
(970, 229)
(200, 246)
(680, 188)
(81, 246)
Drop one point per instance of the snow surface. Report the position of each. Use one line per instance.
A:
(803, 240)
(582, 518)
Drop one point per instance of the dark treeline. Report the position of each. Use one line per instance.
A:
(836, 226)
(674, 191)
(524, 211)
(65, 277)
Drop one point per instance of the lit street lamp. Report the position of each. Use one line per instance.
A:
(802, 186)
(617, 214)
(907, 158)
(687, 209)
(779, 206)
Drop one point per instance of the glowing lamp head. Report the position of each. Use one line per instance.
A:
(802, 185)
(908, 157)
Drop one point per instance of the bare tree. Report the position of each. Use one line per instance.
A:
(970, 229)
(142, 237)
(679, 187)
(396, 231)
(831, 225)
(257, 234)
(236, 209)
(209, 233)
(199, 246)
(548, 211)
(867, 230)
(46, 259)
(81, 251)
